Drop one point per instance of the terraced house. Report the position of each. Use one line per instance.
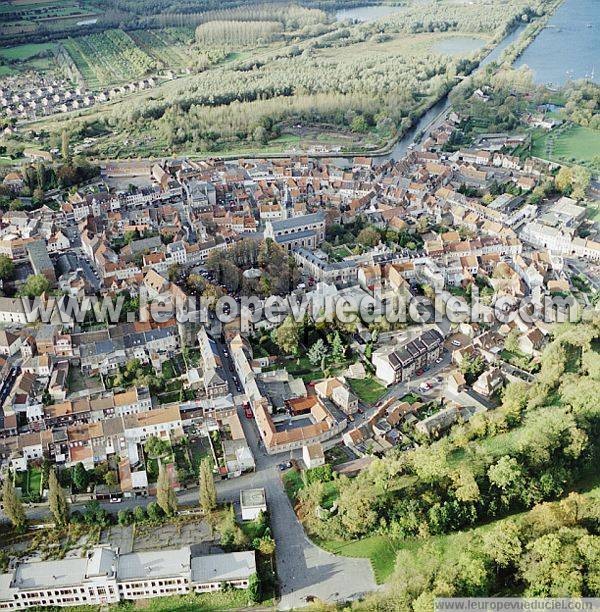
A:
(399, 363)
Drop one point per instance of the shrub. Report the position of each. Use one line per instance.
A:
(154, 511)
(125, 517)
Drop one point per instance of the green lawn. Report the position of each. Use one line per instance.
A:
(573, 144)
(168, 371)
(34, 480)
(368, 389)
(302, 368)
(29, 481)
(24, 52)
(338, 253)
(380, 550)
(292, 482)
(236, 599)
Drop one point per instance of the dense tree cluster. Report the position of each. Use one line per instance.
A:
(279, 273)
(237, 33)
(472, 17)
(547, 436)
(583, 104)
(552, 551)
(502, 107)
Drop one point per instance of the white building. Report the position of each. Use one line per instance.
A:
(313, 455)
(252, 502)
(106, 577)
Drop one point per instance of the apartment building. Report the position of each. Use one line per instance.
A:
(322, 270)
(397, 364)
(106, 577)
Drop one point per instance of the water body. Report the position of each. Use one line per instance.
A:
(569, 48)
(401, 147)
(366, 13)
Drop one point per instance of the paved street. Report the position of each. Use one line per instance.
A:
(303, 568)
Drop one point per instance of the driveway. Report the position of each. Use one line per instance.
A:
(305, 569)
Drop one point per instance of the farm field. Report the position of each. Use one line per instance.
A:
(35, 56)
(570, 144)
(114, 56)
(109, 57)
(26, 52)
(167, 47)
(23, 17)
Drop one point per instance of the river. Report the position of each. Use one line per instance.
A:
(401, 147)
(569, 47)
(566, 49)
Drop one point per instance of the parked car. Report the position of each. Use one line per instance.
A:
(455, 343)
(248, 412)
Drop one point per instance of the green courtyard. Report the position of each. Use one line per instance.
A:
(367, 389)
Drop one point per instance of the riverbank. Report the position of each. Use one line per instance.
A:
(499, 50)
(135, 144)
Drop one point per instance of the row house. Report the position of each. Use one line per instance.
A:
(397, 364)
(163, 423)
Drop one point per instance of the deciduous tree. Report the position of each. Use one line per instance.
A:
(57, 500)
(165, 495)
(287, 337)
(13, 508)
(208, 492)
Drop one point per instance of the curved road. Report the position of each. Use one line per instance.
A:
(303, 568)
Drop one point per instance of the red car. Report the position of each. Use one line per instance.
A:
(248, 412)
